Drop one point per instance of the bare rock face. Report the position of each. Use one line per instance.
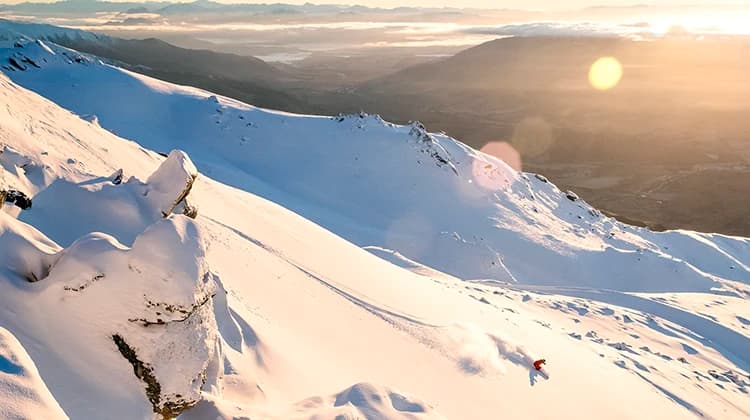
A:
(18, 198)
(169, 186)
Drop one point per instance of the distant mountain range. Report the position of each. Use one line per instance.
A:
(202, 6)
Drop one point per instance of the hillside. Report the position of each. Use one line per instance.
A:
(355, 267)
(241, 76)
(661, 140)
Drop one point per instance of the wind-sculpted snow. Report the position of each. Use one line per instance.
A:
(365, 400)
(23, 394)
(123, 209)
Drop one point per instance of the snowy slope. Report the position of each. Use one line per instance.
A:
(24, 394)
(397, 187)
(310, 323)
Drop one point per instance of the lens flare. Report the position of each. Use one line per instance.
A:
(605, 73)
(491, 175)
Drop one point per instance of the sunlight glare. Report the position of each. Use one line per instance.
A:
(605, 73)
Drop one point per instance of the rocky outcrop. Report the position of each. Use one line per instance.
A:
(169, 186)
(16, 197)
(426, 143)
(154, 302)
(117, 176)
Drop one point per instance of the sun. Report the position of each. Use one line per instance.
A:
(605, 73)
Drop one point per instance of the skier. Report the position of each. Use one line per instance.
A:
(538, 364)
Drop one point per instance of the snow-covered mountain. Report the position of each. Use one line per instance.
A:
(337, 266)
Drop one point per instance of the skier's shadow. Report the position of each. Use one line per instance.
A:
(533, 374)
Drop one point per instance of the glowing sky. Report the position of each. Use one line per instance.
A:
(546, 5)
(535, 4)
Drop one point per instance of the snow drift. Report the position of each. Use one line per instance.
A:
(23, 393)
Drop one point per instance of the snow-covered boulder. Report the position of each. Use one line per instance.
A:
(170, 184)
(148, 307)
(25, 251)
(153, 302)
(23, 393)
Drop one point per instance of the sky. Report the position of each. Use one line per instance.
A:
(493, 4)
(534, 4)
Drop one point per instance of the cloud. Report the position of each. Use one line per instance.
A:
(559, 29)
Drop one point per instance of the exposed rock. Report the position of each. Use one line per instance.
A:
(184, 207)
(116, 177)
(18, 198)
(170, 184)
(168, 409)
(541, 178)
(427, 144)
(155, 302)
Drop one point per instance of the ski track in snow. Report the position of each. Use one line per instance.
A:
(728, 342)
